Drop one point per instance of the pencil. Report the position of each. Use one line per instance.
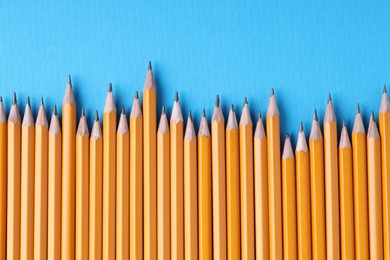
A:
(359, 160)
(274, 179)
(82, 179)
(54, 188)
(303, 196)
(27, 185)
(233, 187)
(218, 182)
(246, 184)
(289, 202)
(3, 180)
(41, 184)
(331, 183)
(163, 171)
(190, 192)
(374, 190)
(384, 129)
(346, 196)
(122, 188)
(317, 185)
(150, 167)
(261, 190)
(177, 181)
(13, 181)
(68, 174)
(109, 159)
(204, 190)
(95, 190)
(136, 221)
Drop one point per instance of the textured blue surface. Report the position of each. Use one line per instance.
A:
(303, 49)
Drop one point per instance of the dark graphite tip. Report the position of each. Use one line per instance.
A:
(109, 87)
(149, 65)
(287, 136)
(384, 89)
(1, 99)
(344, 124)
(42, 101)
(190, 115)
(272, 92)
(358, 109)
(123, 110)
(232, 107)
(259, 115)
(14, 101)
(69, 80)
(82, 112)
(372, 116)
(245, 101)
(217, 101)
(55, 110)
(315, 115)
(163, 110)
(329, 97)
(301, 127)
(176, 97)
(136, 95)
(28, 102)
(204, 113)
(97, 115)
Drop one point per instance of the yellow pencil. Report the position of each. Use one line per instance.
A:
(109, 159)
(346, 196)
(95, 190)
(384, 129)
(3, 180)
(303, 196)
(82, 184)
(68, 174)
(190, 192)
(177, 181)
(246, 185)
(54, 189)
(27, 185)
(289, 202)
(150, 167)
(136, 235)
(204, 190)
(13, 181)
(331, 183)
(233, 187)
(360, 188)
(374, 190)
(274, 179)
(317, 179)
(218, 182)
(122, 188)
(41, 184)
(163, 171)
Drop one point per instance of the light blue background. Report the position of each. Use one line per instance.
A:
(303, 49)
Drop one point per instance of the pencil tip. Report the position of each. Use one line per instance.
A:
(245, 101)
(109, 87)
(315, 115)
(232, 107)
(55, 110)
(163, 110)
(344, 124)
(372, 118)
(136, 95)
(272, 92)
(384, 89)
(217, 101)
(14, 101)
(190, 115)
(28, 101)
(149, 65)
(123, 110)
(301, 127)
(358, 109)
(259, 116)
(42, 101)
(176, 96)
(82, 112)
(97, 115)
(1, 99)
(329, 97)
(69, 80)
(204, 113)
(287, 135)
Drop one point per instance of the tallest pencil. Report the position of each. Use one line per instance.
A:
(150, 160)
(68, 173)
